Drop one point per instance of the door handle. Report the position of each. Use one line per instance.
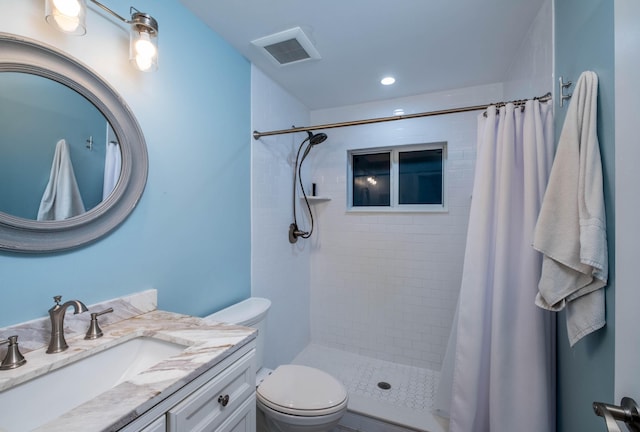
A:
(628, 412)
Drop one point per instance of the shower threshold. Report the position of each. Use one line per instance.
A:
(396, 395)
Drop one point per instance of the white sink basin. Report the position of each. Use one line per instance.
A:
(48, 396)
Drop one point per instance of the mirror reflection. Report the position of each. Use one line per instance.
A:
(59, 156)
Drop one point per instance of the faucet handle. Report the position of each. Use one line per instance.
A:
(95, 331)
(56, 306)
(97, 314)
(14, 358)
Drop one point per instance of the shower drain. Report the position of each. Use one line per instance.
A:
(384, 385)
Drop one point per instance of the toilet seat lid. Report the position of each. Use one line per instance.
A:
(302, 390)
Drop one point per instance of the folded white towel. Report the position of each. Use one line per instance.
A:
(61, 199)
(571, 227)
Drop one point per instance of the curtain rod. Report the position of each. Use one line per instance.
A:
(258, 135)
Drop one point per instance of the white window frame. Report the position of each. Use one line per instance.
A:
(394, 206)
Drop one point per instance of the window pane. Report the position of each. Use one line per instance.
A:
(420, 179)
(371, 179)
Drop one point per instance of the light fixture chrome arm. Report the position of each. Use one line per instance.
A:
(136, 17)
(106, 9)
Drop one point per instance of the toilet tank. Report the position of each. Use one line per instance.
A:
(251, 312)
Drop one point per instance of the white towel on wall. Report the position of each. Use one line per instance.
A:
(571, 227)
(61, 199)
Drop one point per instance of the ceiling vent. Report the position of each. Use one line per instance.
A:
(288, 47)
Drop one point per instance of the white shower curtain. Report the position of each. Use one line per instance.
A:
(112, 167)
(503, 345)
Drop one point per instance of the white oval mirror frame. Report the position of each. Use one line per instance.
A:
(18, 54)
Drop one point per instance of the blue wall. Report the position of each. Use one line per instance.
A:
(189, 237)
(585, 41)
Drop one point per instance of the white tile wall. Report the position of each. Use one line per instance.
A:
(386, 285)
(279, 271)
(531, 71)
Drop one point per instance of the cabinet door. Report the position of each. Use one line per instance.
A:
(208, 407)
(159, 425)
(243, 419)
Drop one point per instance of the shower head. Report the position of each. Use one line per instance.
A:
(315, 139)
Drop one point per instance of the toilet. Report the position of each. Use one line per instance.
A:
(292, 398)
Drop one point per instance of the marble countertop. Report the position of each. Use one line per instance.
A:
(207, 343)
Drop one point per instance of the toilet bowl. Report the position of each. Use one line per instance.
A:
(299, 398)
(293, 398)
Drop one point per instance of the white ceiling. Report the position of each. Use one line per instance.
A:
(428, 45)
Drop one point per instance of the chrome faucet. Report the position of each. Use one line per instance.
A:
(56, 314)
(14, 357)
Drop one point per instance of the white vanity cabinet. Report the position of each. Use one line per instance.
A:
(160, 425)
(220, 400)
(243, 418)
(210, 405)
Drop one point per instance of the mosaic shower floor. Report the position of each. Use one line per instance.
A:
(408, 402)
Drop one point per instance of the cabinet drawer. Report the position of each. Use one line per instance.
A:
(205, 409)
(243, 419)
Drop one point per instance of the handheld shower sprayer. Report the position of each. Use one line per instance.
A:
(315, 139)
(312, 140)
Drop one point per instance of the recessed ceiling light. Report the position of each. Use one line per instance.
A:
(398, 111)
(387, 80)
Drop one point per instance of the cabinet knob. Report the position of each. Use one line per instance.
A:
(223, 400)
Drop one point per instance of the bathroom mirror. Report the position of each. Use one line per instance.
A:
(102, 117)
(35, 113)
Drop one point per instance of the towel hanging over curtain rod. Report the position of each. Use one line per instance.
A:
(258, 135)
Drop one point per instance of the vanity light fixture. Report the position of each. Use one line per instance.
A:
(68, 16)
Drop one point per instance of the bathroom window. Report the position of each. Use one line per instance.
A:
(405, 178)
